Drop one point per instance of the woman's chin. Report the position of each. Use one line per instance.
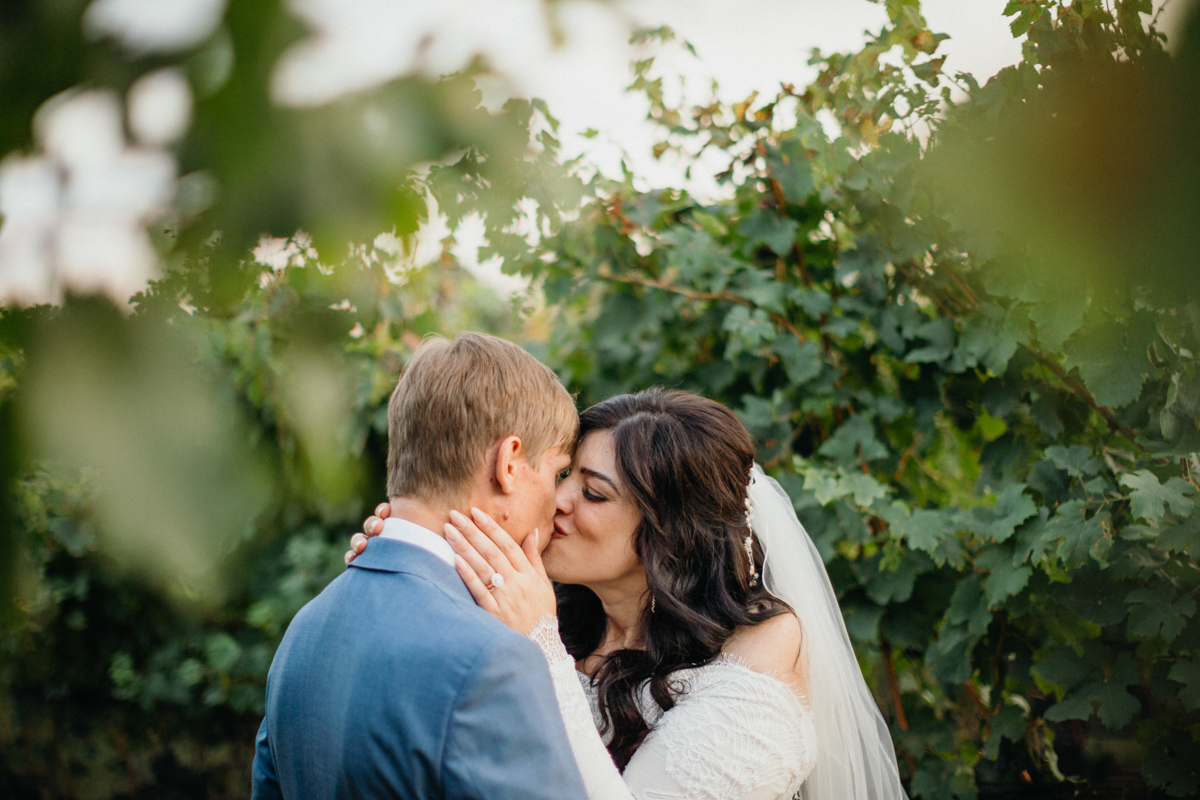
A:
(552, 560)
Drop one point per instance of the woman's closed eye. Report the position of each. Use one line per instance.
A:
(591, 496)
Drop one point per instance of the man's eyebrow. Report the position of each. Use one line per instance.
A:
(600, 476)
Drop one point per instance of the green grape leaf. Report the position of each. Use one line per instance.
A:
(749, 330)
(1112, 359)
(823, 484)
(1149, 496)
(985, 340)
(789, 165)
(1176, 773)
(1078, 705)
(1187, 672)
(1157, 611)
(1181, 538)
(1006, 578)
(1064, 668)
(936, 779)
(828, 485)
(862, 622)
(766, 226)
(863, 487)
(1087, 538)
(968, 606)
(762, 290)
(853, 440)
(1107, 697)
(949, 656)
(1116, 706)
(1078, 537)
(921, 529)
(1076, 460)
(939, 335)
(222, 652)
(815, 302)
(801, 360)
(885, 585)
(1012, 508)
(1009, 723)
(864, 261)
(1059, 316)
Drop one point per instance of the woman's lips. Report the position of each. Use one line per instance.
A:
(558, 532)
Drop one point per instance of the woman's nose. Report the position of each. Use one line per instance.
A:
(562, 499)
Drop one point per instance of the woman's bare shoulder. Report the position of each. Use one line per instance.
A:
(774, 646)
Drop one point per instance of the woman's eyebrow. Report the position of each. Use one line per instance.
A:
(600, 476)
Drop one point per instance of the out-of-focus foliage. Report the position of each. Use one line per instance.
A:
(965, 338)
(180, 475)
(136, 661)
(969, 359)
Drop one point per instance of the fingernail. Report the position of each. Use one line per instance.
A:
(452, 533)
(382, 507)
(373, 525)
(458, 515)
(477, 514)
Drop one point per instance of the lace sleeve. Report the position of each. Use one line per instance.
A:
(738, 735)
(600, 775)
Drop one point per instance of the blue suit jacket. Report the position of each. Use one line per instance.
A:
(393, 683)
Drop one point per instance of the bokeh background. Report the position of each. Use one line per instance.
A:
(940, 257)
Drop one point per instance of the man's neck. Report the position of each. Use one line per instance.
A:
(419, 512)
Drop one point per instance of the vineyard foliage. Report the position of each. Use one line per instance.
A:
(961, 321)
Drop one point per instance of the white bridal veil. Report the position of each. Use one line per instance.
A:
(855, 756)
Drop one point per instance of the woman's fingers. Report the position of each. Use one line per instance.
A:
(511, 550)
(533, 551)
(465, 551)
(383, 510)
(372, 526)
(482, 543)
(350, 554)
(358, 543)
(483, 598)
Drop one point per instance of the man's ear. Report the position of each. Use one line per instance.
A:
(510, 450)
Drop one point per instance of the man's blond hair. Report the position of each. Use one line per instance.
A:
(457, 399)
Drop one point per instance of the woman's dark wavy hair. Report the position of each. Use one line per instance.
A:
(686, 460)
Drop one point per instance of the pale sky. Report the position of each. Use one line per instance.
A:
(746, 45)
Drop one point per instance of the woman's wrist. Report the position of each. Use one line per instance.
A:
(545, 635)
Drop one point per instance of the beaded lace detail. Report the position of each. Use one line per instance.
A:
(545, 635)
(734, 733)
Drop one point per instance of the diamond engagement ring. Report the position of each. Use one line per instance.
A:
(497, 581)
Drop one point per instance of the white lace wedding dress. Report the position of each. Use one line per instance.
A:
(734, 734)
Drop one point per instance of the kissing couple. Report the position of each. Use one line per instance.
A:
(692, 648)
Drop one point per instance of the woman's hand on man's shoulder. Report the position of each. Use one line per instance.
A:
(372, 526)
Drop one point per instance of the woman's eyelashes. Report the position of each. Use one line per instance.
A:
(592, 497)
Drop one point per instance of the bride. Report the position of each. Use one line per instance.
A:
(695, 644)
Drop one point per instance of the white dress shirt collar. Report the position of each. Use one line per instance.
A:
(414, 534)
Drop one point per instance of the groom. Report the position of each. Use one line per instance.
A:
(392, 682)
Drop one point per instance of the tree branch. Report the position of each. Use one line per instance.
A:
(894, 687)
(1076, 386)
